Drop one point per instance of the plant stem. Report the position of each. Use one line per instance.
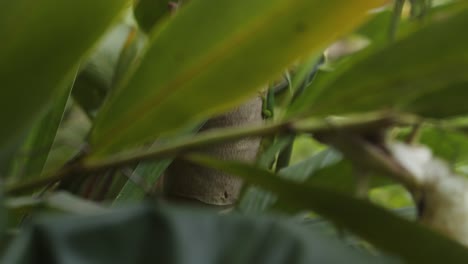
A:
(92, 166)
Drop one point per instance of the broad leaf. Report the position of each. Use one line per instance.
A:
(172, 236)
(194, 68)
(409, 75)
(380, 227)
(42, 41)
(446, 102)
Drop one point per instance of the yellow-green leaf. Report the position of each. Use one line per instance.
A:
(211, 56)
(419, 73)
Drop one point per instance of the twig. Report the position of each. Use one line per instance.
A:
(87, 164)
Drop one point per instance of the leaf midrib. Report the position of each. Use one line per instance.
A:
(222, 51)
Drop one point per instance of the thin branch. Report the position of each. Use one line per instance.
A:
(87, 165)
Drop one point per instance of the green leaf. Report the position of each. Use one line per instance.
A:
(96, 77)
(376, 29)
(129, 55)
(342, 177)
(253, 200)
(3, 216)
(57, 203)
(447, 102)
(144, 234)
(150, 172)
(256, 200)
(326, 169)
(194, 68)
(67, 203)
(70, 138)
(426, 62)
(380, 227)
(42, 42)
(303, 170)
(149, 12)
(268, 157)
(33, 154)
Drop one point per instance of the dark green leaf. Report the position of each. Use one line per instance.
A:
(447, 102)
(173, 236)
(42, 42)
(33, 154)
(426, 62)
(148, 12)
(131, 52)
(342, 177)
(380, 227)
(96, 77)
(3, 216)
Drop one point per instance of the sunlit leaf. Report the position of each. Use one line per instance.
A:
(194, 68)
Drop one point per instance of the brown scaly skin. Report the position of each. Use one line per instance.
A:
(184, 181)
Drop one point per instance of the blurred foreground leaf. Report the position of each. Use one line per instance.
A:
(144, 234)
(378, 226)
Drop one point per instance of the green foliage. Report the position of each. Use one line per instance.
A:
(133, 231)
(44, 40)
(410, 75)
(154, 75)
(148, 12)
(347, 212)
(34, 152)
(271, 34)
